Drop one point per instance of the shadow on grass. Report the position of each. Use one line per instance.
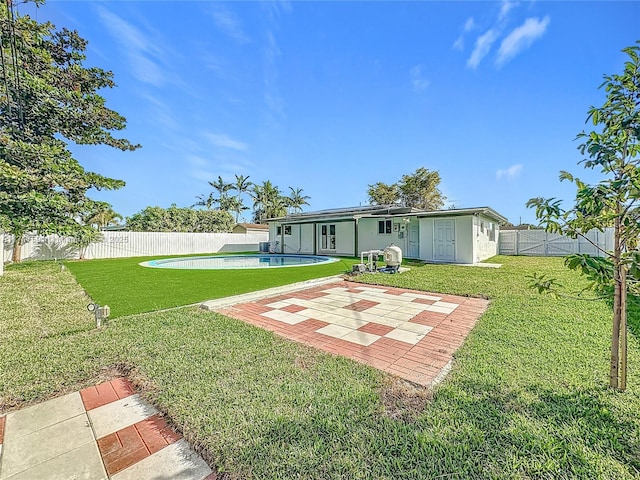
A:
(498, 433)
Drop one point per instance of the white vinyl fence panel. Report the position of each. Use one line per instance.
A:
(541, 243)
(136, 244)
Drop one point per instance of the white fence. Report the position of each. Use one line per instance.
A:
(135, 244)
(541, 243)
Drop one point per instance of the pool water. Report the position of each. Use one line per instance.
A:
(231, 262)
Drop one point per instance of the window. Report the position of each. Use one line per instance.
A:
(492, 232)
(287, 230)
(384, 227)
(328, 237)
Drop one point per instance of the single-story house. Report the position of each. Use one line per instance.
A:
(462, 235)
(250, 228)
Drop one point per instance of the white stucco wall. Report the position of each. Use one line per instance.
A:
(463, 231)
(370, 239)
(485, 244)
(300, 240)
(345, 238)
(464, 239)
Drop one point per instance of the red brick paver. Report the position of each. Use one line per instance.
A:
(128, 446)
(99, 395)
(419, 363)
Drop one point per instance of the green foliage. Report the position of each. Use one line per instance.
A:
(176, 219)
(418, 190)
(382, 194)
(47, 99)
(613, 148)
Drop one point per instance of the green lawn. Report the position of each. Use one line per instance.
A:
(129, 288)
(527, 398)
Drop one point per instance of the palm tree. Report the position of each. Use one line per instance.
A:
(296, 200)
(102, 216)
(206, 201)
(241, 186)
(268, 202)
(222, 189)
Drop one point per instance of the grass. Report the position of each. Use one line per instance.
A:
(129, 288)
(527, 398)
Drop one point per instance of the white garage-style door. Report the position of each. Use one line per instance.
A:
(444, 241)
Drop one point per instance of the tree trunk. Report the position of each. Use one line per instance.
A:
(17, 249)
(617, 309)
(623, 329)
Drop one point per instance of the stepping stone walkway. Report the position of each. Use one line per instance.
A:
(102, 432)
(405, 332)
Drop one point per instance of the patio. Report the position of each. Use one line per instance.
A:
(407, 333)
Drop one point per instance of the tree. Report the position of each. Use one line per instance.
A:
(296, 200)
(48, 99)
(383, 194)
(206, 201)
(241, 186)
(176, 219)
(268, 202)
(101, 216)
(613, 148)
(418, 190)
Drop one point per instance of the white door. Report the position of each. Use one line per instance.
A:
(414, 240)
(444, 242)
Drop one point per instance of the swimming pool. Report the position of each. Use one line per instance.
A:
(231, 262)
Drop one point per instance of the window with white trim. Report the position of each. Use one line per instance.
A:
(384, 227)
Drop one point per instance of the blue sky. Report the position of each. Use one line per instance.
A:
(333, 96)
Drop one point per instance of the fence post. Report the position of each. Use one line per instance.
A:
(517, 239)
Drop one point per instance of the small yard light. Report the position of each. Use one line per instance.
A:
(99, 312)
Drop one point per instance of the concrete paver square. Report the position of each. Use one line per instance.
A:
(421, 296)
(285, 317)
(435, 308)
(416, 328)
(24, 452)
(82, 463)
(349, 322)
(119, 414)
(361, 338)
(335, 331)
(36, 417)
(405, 336)
(177, 461)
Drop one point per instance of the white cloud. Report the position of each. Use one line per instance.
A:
(482, 48)
(509, 173)
(224, 141)
(137, 46)
(418, 79)
(470, 24)
(227, 22)
(505, 8)
(522, 37)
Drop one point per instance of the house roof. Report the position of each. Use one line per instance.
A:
(346, 212)
(384, 211)
(253, 226)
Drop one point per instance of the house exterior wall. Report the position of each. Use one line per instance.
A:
(345, 238)
(463, 240)
(486, 234)
(370, 239)
(300, 240)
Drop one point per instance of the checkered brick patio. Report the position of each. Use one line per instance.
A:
(405, 332)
